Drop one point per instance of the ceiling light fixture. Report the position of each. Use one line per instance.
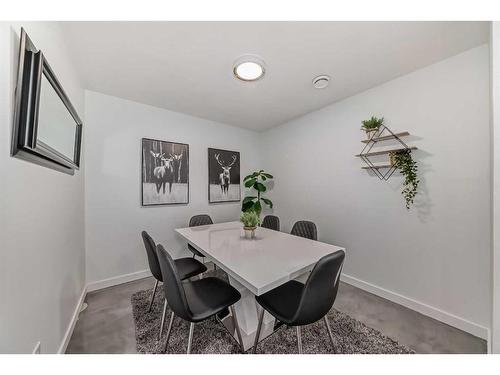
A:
(320, 82)
(249, 68)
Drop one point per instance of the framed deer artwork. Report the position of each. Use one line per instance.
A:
(165, 173)
(223, 176)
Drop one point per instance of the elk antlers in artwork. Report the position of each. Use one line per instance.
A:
(156, 154)
(217, 156)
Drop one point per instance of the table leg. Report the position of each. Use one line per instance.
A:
(247, 314)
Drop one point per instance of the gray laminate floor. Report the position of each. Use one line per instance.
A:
(107, 326)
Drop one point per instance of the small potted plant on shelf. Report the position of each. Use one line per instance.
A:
(392, 159)
(250, 220)
(372, 126)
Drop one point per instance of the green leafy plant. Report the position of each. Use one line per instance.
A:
(250, 219)
(373, 123)
(408, 168)
(256, 181)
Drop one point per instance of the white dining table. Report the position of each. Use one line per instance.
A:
(255, 266)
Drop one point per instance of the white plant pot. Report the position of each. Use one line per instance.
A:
(249, 232)
(392, 158)
(371, 133)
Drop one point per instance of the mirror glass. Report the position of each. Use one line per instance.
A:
(56, 126)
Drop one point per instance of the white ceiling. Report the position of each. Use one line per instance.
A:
(187, 66)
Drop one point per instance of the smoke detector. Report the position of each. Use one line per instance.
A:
(320, 82)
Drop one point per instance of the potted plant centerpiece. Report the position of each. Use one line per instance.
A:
(372, 126)
(252, 205)
(250, 221)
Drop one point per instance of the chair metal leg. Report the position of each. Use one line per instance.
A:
(153, 296)
(330, 333)
(299, 340)
(190, 339)
(257, 334)
(237, 328)
(163, 318)
(168, 331)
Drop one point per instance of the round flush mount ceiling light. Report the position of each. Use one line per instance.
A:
(249, 68)
(320, 82)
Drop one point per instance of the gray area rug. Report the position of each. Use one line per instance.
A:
(211, 337)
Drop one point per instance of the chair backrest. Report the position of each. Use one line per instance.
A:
(320, 290)
(172, 285)
(271, 222)
(198, 220)
(306, 229)
(150, 246)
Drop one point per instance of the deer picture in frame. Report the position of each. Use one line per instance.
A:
(224, 176)
(165, 172)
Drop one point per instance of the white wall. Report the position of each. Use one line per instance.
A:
(114, 216)
(438, 253)
(495, 123)
(42, 250)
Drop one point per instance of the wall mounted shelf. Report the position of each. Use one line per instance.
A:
(383, 152)
(377, 166)
(386, 137)
(383, 171)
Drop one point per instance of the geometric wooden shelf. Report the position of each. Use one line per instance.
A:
(383, 152)
(383, 134)
(386, 137)
(377, 166)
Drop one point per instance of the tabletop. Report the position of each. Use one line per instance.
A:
(262, 263)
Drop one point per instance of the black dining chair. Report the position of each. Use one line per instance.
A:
(306, 229)
(271, 222)
(187, 267)
(296, 304)
(196, 221)
(195, 301)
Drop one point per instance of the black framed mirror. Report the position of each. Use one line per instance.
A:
(47, 128)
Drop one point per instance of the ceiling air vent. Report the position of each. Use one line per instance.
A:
(320, 82)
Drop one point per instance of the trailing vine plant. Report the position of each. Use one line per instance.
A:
(408, 168)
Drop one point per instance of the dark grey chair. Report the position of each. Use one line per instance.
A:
(196, 221)
(187, 267)
(297, 304)
(195, 301)
(271, 222)
(306, 229)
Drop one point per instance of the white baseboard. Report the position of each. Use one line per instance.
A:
(116, 280)
(433, 312)
(72, 323)
(490, 342)
(96, 285)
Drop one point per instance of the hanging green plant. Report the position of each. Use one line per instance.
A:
(408, 168)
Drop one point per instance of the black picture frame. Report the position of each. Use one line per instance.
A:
(215, 169)
(146, 170)
(33, 66)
